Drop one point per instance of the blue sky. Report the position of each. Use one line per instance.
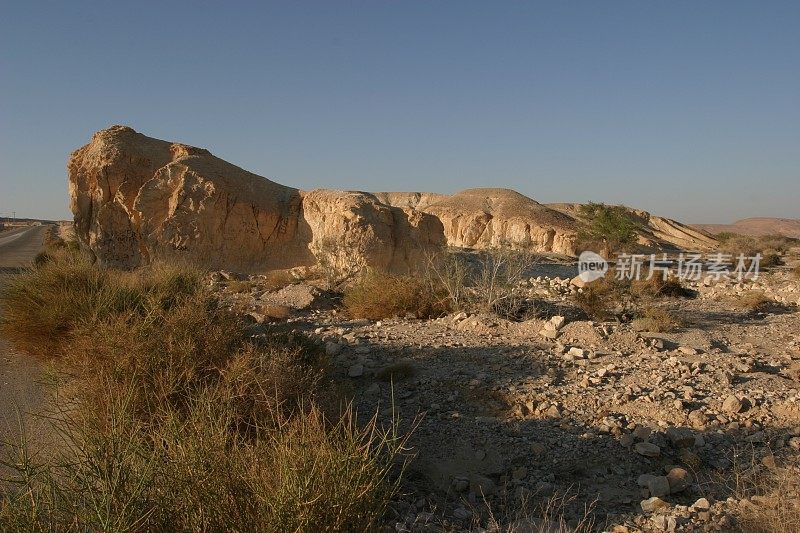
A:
(687, 109)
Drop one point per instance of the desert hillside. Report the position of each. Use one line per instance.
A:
(757, 226)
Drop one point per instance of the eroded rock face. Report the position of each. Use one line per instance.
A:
(136, 199)
(481, 218)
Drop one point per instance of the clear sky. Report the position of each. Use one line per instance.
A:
(687, 109)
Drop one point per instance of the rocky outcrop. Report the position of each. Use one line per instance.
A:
(481, 218)
(136, 199)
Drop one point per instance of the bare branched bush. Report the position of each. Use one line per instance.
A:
(482, 281)
(496, 284)
(336, 261)
(452, 272)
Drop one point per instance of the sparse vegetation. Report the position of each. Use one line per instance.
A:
(770, 497)
(658, 287)
(379, 295)
(771, 247)
(603, 299)
(180, 421)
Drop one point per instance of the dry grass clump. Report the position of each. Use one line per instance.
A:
(658, 287)
(656, 320)
(752, 301)
(379, 295)
(180, 422)
(45, 305)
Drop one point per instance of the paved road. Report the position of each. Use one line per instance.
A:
(19, 246)
(20, 392)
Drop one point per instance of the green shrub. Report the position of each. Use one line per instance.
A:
(612, 228)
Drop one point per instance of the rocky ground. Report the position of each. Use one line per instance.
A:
(644, 431)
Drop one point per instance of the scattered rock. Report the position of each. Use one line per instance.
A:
(648, 449)
(732, 404)
(653, 504)
(658, 486)
(679, 480)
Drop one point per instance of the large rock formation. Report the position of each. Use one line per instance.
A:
(136, 199)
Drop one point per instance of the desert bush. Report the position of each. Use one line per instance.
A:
(178, 421)
(656, 320)
(607, 228)
(379, 295)
(482, 281)
(190, 473)
(604, 298)
(796, 272)
(495, 284)
(752, 301)
(770, 258)
(451, 271)
(658, 287)
(771, 247)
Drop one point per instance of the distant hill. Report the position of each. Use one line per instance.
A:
(757, 226)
